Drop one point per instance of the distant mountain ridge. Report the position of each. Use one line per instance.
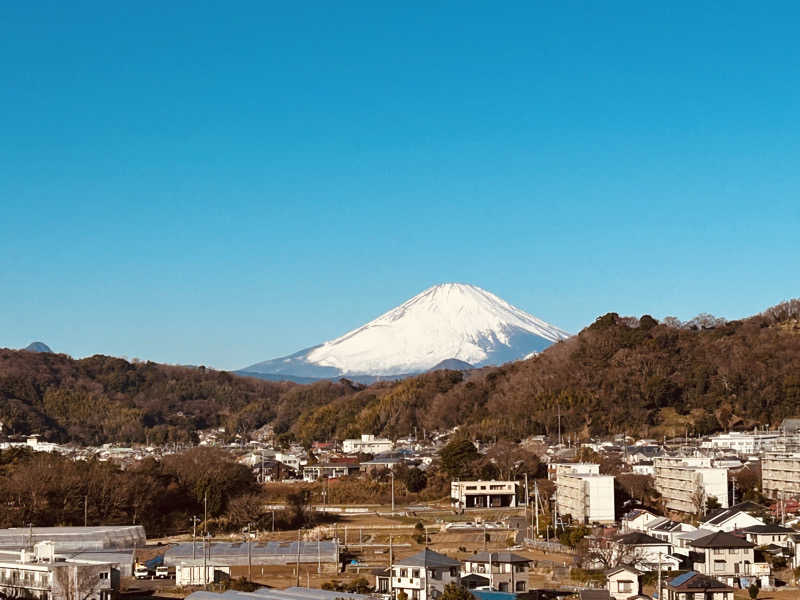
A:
(38, 347)
(451, 321)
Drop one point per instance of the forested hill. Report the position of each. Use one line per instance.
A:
(618, 375)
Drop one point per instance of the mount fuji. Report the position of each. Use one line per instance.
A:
(450, 323)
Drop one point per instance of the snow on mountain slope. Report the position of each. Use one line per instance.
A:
(447, 321)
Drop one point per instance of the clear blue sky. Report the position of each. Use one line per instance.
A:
(226, 183)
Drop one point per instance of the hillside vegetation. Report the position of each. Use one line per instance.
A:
(618, 375)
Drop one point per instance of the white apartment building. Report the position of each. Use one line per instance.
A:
(368, 444)
(586, 498)
(780, 475)
(684, 481)
(743, 442)
(555, 469)
(50, 579)
(483, 494)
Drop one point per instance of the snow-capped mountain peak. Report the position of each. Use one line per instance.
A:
(447, 321)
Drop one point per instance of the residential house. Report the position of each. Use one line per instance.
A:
(380, 464)
(329, 470)
(506, 571)
(696, 586)
(727, 557)
(424, 575)
(681, 541)
(765, 535)
(623, 582)
(738, 516)
(637, 520)
(645, 552)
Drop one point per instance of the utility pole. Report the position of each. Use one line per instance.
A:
(297, 561)
(86, 510)
(205, 562)
(194, 535)
(536, 507)
(391, 560)
(527, 499)
(249, 554)
(319, 559)
(659, 576)
(559, 424)
(205, 513)
(392, 473)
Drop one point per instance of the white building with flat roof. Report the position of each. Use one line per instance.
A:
(743, 442)
(686, 483)
(483, 494)
(555, 469)
(780, 475)
(368, 444)
(586, 498)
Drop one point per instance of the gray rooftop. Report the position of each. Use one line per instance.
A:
(73, 539)
(292, 593)
(262, 552)
(427, 558)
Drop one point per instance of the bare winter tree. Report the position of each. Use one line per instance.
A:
(604, 553)
(79, 582)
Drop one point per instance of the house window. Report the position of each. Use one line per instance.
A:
(414, 594)
(403, 572)
(718, 550)
(719, 565)
(520, 586)
(415, 573)
(104, 575)
(624, 586)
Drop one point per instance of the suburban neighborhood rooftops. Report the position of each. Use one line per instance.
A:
(721, 515)
(721, 539)
(427, 558)
(621, 568)
(697, 581)
(637, 538)
(292, 593)
(767, 529)
(498, 557)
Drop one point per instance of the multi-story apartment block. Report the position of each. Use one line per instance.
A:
(780, 475)
(685, 483)
(586, 498)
